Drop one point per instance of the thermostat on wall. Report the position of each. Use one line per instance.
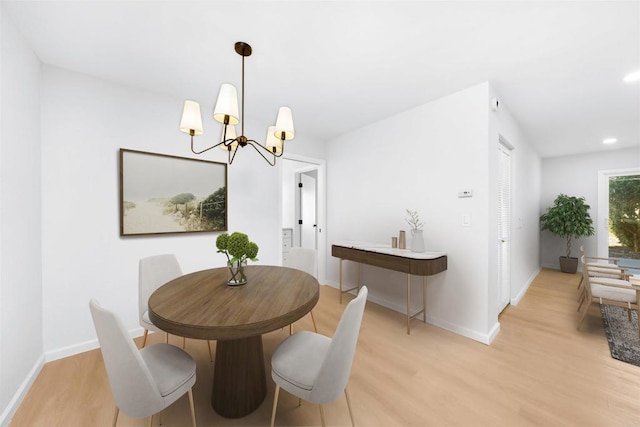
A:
(465, 193)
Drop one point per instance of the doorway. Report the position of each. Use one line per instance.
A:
(504, 223)
(303, 201)
(307, 207)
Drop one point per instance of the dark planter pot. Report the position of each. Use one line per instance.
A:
(568, 265)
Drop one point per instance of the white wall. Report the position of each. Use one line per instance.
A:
(577, 176)
(84, 123)
(525, 200)
(419, 160)
(20, 219)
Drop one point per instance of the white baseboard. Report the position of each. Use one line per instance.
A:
(516, 300)
(74, 349)
(16, 400)
(465, 332)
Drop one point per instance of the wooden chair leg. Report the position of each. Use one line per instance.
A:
(346, 394)
(184, 342)
(583, 296)
(150, 421)
(193, 409)
(115, 417)
(580, 282)
(144, 340)
(210, 353)
(275, 405)
(583, 314)
(290, 329)
(313, 319)
(166, 339)
(324, 423)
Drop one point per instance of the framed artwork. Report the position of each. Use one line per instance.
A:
(161, 194)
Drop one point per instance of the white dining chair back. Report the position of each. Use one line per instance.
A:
(153, 272)
(143, 382)
(316, 368)
(305, 259)
(336, 367)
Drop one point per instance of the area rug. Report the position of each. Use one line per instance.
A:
(622, 334)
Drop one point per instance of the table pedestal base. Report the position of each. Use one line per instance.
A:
(239, 379)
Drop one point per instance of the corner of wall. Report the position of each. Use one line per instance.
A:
(21, 392)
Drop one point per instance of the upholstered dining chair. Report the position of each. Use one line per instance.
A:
(153, 272)
(316, 368)
(603, 267)
(606, 290)
(305, 259)
(143, 382)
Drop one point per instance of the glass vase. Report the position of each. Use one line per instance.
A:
(237, 273)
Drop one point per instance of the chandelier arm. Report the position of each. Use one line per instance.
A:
(206, 149)
(231, 157)
(255, 145)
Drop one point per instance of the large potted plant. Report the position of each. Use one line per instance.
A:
(568, 218)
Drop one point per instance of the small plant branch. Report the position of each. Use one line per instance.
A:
(414, 220)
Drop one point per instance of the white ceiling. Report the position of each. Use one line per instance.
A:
(558, 66)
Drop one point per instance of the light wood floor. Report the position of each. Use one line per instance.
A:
(539, 371)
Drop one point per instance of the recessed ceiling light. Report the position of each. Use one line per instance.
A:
(610, 140)
(633, 77)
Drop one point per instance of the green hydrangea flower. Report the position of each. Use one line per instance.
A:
(222, 242)
(237, 247)
(252, 251)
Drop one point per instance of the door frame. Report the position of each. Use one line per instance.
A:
(321, 202)
(602, 221)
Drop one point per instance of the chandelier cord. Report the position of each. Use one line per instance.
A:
(242, 116)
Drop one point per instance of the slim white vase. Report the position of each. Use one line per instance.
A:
(417, 241)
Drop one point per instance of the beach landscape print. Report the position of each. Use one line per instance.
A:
(162, 194)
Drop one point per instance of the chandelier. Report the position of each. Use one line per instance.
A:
(226, 112)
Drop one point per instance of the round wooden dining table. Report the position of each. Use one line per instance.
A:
(200, 305)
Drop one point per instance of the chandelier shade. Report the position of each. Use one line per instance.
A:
(226, 112)
(284, 124)
(191, 118)
(273, 143)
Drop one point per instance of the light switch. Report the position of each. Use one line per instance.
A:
(466, 220)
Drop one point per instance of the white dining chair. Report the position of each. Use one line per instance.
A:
(153, 272)
(305, 259)
(316, 368)
(143, 382)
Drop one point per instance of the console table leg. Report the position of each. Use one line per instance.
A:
(424, 299)
(408, 304)
(341, 280)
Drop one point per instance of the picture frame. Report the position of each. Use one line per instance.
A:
(163, 194)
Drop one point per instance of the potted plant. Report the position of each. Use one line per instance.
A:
(568, 218)
(238, 250)
(417, 241)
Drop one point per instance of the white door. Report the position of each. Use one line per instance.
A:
(308, 210)
(504, 226)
